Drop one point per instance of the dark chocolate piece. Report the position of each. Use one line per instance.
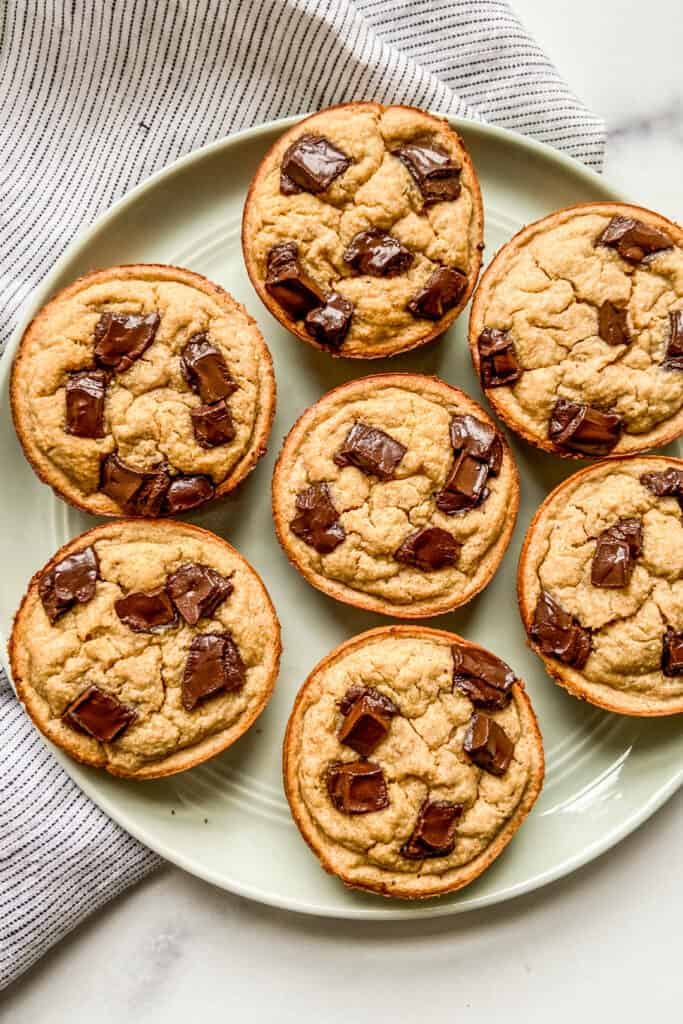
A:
(121, 338)
(612, 325)
(616, 549)
(370, 450)
(329, 324)
(633, 239)
(558, 633)
(488, 745)
(437, 176)
(138, 492)
(377, 253)
(672, 653)
(85, 391)
(99, 714)
(368, 715)
(205, 370)
(478, 439)
(673, 358)
(442, 290)
(71, 581)
(665, 484)
(311, 164)
(317, 521)
(482, 677)
(197, 590)
(212, 424)
(146, 612)
(498, 366)
(466, 486)
(213, 664)
(187, 492)
(291, 288)
(429, 549)
(357, 787)
(583, 428)
(434, 832)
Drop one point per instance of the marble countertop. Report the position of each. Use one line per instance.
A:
(605, 940)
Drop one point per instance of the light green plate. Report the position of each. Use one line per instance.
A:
(228, 821)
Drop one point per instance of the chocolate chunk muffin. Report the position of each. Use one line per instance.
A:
(410, 760)
(142, 390)
(145, 647)
(577, 331)
(362, 231)
(601, 585)
(396, 493)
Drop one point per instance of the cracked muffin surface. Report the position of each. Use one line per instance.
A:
(389, 200)
(109, 656)
(421, 759)
(142, 390)
(365, 502)
(576, 329)
(601, 584)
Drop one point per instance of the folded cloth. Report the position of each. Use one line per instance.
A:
(97, 96)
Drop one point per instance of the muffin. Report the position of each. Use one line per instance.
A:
(362, 230)
(145, 647)
(577, 331)
(395, 493)
(601, 585)
(410, 760)
(142, 390)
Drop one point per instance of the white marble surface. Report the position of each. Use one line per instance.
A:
(604, 943)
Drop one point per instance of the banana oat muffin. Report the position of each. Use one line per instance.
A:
(410, 760)
(142, 390)
(362, 231)
(397, 494)
(577, 331)
(145, 647)
(601, 585)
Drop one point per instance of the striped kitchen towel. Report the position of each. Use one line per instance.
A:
(94, 98)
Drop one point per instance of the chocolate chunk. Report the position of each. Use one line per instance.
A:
(666, 484)
(437, 176)
(291, 288)
(673, 358)
(616, 549)
(558, 633)
(138, 492)
(187, 492)
(488, 745)
(583, 428)
(498, 366)
(466, 486)
(368, 715)
(71, 581)
(434, 832)
(317, 521)
(213, 664)
(634, 239)
(99, 714)
(672, 653)
(85, 391)
(310, 165)
(442, 290)
(612, 325)
(429, 549)
(146, 612)
(205, 370)
(377, 253)
(212, 424)
(357, 787)
(371, 450)
(121, 338)
(478, 439)
(329, 324)
(197, 590)
(482, 677)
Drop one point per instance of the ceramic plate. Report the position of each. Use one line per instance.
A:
(228, 821)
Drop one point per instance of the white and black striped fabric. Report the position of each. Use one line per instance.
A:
(96, 96)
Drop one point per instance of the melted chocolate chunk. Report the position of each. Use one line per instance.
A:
(368, 715)
(317, 521)
(612, 325)
(291, 288)
(310, 165)
(121, 338)
(498, 366)
(212, 424)
(558, 633)
(213, 664)
(85, 391)
(197, 590)
(616, 549)
(99, 714)
(466, 486)
(673, 358)
(488, 745)
(139, 493)
(478, 439)
(429, 549)
(205, 370)
(370, 450)
(482, 677)
(329, 324)
(633, 239)
(672, 653)
(584, 429)
(187, 492)
(146, 612)
(442, 290)
(666, 484)
(377, 253)
(434, 832)
(437, 176)
(357, 787)
(71, 581)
